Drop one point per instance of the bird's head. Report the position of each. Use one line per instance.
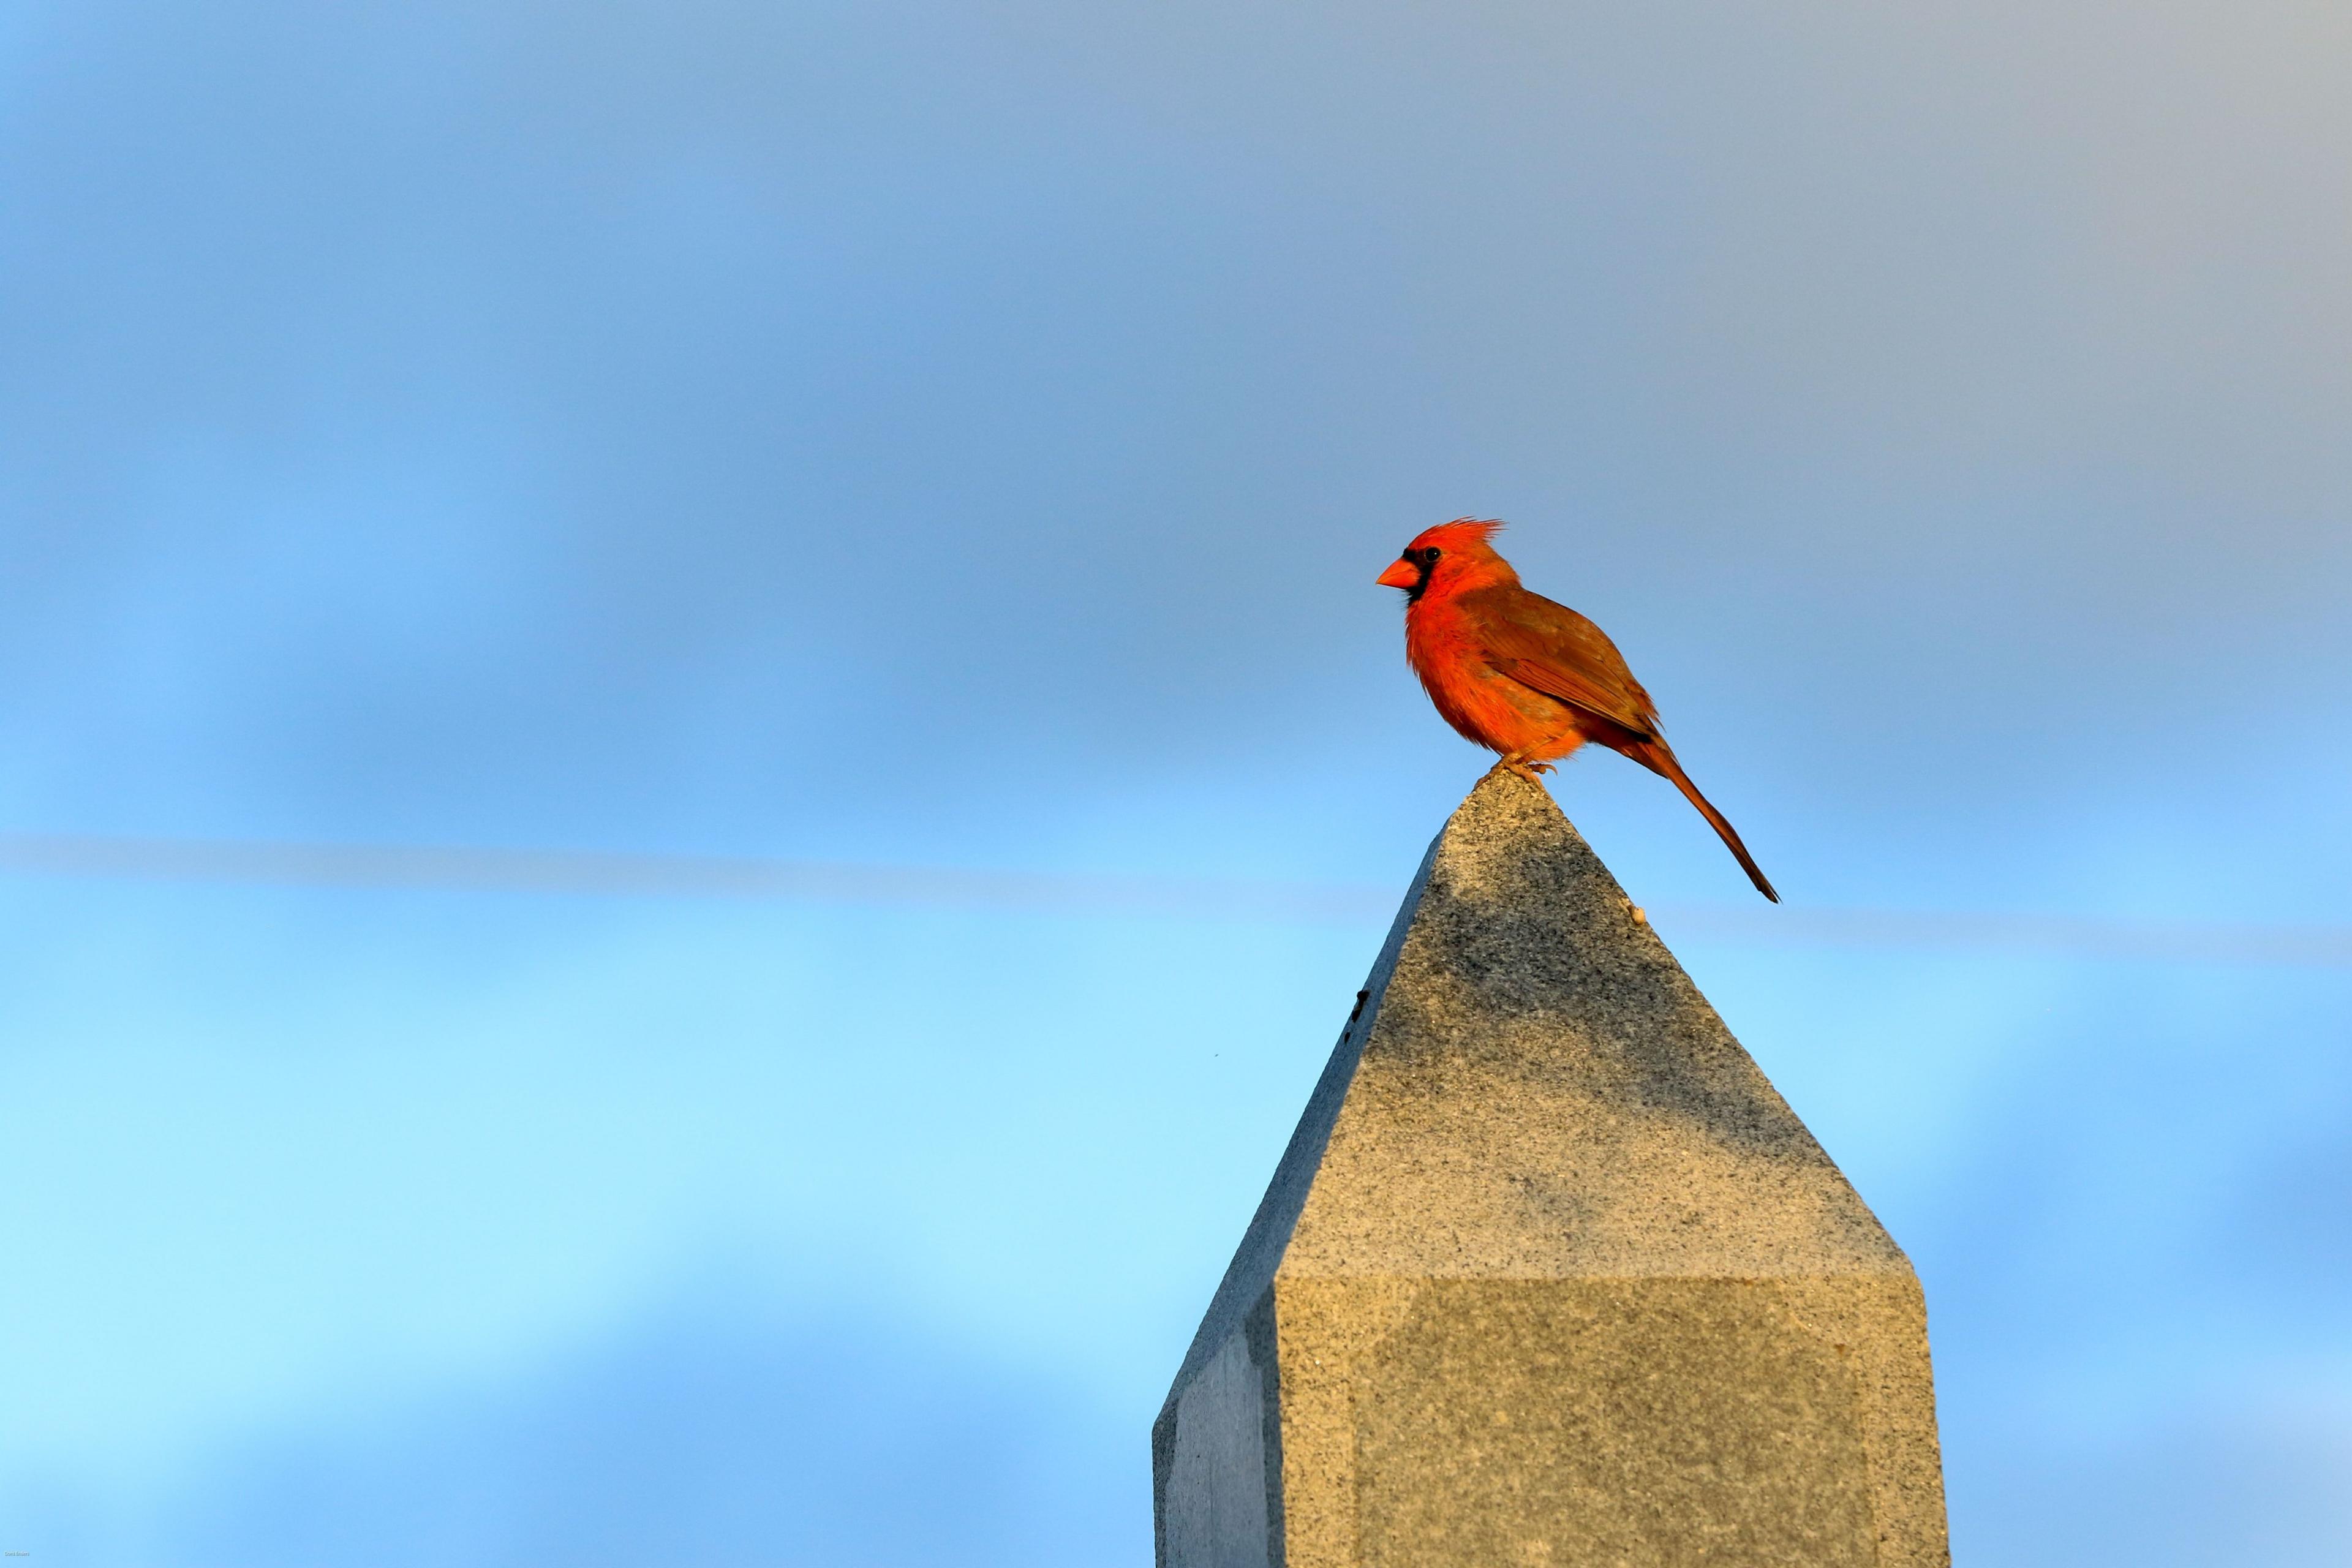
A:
(1451, 557)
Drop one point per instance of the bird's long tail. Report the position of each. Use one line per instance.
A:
(1656, 756)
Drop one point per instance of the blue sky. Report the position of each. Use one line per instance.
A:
(966, 436)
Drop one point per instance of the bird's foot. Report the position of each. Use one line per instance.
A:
(1531, 772)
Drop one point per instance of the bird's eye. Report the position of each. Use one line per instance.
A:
(1433, 553)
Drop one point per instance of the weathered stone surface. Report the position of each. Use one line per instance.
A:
(1549, 1274)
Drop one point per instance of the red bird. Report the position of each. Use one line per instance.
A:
(1522, 675)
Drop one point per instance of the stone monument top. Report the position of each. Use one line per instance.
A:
(1549, 1272)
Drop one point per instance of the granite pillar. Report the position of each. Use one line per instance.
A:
(1550, 1274)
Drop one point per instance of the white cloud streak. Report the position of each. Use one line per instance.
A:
(609, 874)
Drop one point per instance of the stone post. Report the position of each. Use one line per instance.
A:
(1549, 1274)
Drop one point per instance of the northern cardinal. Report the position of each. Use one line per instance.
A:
(1523, 676)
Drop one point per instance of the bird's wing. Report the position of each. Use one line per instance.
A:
(1558, 652)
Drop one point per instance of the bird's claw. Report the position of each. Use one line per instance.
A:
(1531, 772)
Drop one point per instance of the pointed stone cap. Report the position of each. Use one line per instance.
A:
(1549, 1272)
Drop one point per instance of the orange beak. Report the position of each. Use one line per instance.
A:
(1400, 574)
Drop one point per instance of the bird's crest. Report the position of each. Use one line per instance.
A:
(1453, 535)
